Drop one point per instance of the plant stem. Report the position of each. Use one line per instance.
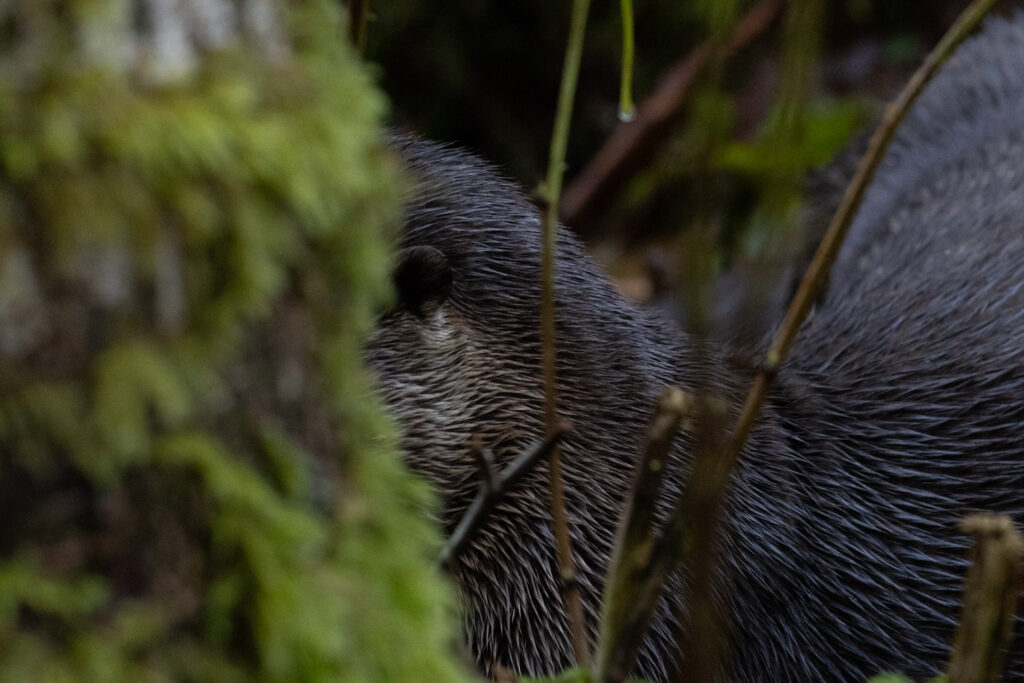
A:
(627, 110)
(632, 147)
(551, 191)
(635, 540)
(990, 600)
(814, 278)
(492, 488)
(817, 272)
(701, 502)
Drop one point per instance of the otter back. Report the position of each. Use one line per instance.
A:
(900, 410)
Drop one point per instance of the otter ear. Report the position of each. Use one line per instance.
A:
(423, 279)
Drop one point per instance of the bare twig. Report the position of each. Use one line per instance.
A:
(627, 110)
(990, 600)
(693, 537)
(551, 192)
(493, 487)
(817, 272)
(814, 278)
(689, 525)
(634, 144)
(702, 498)
(485, 463)
(635, 540)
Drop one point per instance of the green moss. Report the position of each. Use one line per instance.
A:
(198, 484)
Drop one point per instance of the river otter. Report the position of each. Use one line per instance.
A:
(900, 409)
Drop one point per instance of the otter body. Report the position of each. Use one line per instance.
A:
(900, 410)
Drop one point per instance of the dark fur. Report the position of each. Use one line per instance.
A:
(900, 410)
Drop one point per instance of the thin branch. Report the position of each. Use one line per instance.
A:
(619, 639)
(720, 470)
(627, 110)
(633, 145)
(990, 600)
(701, 500)
(695, 504)
(493, 487)
(551, 192)
(692, 538)
(817, 272)
(485, 463)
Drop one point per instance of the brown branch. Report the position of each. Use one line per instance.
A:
(632, 146)
(814, 278)
(817, 272)
(635, 540)
(485, 463)
(990, 600)
(691, 525)
(693, 522)
(551, 192)
(493, 487)
(692, 538)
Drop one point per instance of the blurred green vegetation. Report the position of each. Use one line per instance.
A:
(196, 484)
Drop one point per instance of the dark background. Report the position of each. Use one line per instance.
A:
(730, 182)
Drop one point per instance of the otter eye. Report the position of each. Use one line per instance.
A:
(422, 278)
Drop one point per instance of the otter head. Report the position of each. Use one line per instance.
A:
(459, 355)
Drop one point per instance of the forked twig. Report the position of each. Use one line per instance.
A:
(492, 487)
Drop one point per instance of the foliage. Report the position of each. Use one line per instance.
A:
(196, 483)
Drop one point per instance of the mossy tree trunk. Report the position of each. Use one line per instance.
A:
(195, 482)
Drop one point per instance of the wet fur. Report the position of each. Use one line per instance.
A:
(900, 410)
